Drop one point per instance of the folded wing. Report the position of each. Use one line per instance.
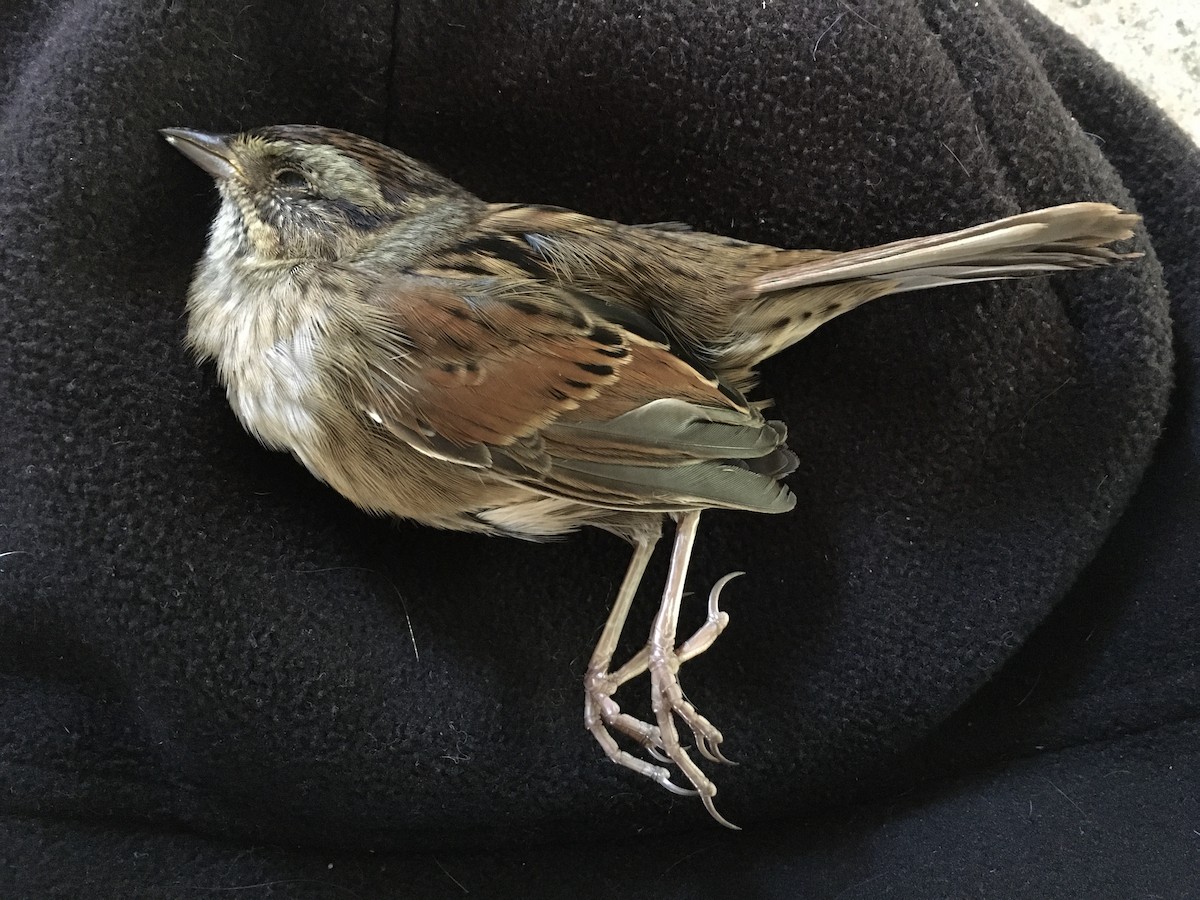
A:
(538, 385)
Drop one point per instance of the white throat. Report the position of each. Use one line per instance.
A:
(262, 323)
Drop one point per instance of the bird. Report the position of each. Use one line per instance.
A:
(527, 370)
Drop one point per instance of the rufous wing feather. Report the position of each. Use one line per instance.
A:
(539, 386)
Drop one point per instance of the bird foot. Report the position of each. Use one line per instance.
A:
(603, 716)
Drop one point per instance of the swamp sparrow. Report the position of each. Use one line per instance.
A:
(526, 370)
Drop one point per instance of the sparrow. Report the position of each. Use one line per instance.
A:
(525, 370)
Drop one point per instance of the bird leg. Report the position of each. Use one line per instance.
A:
(600, 711)
(666, 694)
(662, 659)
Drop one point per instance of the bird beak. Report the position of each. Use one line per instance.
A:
(211, 152)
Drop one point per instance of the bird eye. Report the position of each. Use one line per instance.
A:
(290, 178)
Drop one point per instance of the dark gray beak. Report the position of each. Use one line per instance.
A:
(211, 152)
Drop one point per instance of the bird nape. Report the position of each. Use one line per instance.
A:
(527, 370)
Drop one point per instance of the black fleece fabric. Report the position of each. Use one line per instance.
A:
(965, 666)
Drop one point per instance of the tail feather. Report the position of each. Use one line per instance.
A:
(1061, 237)
(783, 306)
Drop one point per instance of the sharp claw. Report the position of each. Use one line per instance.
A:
(711, 750)
(714, 596)
(671, 786)
(658, 754)
(706, 799)
(705, 750)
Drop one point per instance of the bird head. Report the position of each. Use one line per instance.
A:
(292, 192)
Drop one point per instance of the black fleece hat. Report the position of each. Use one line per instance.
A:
(214, 672)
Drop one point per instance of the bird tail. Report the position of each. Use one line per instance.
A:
(785, 305)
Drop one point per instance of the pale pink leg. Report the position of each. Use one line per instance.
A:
(666, 694)
(662, 659)
(600, 711)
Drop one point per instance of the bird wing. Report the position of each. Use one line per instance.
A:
(559, 391)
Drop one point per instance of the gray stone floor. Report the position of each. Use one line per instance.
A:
(1155, 42)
